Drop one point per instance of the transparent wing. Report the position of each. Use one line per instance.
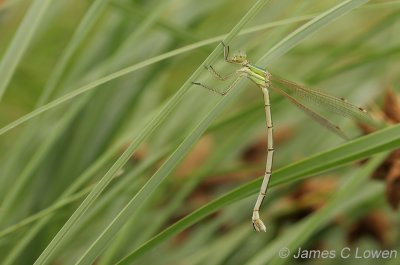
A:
(318, 118)
(337, 105)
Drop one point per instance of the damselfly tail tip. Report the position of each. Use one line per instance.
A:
(259, 225)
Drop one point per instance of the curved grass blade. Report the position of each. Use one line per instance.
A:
(360, 148)
(347, 197)
(86, 24)
(282, 47)
(70, 193)
(64, 232)
(70, 197)
(310, 27)
(360, 38)
(130, 69)
(20, 146)
(45, 212)
(146, 191)
(99, 247)
(20, 42)
(23, 178)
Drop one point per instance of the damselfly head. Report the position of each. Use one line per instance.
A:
(239, 57)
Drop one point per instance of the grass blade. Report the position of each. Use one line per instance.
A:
(130, 69)
(340, 202)
(310, 27)
(20, 42)
(112, 229)
(146, 191)
(54, 245)
(383, 140)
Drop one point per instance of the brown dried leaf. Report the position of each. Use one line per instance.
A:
(393, 185)
(256, 152)
(383, 170)
(140, 153)
(196, 157)
(376, 225)
(310, 195)
(365, 128)
(389, 114)
(313, 193)
(391, 106)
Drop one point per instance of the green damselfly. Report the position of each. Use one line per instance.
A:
(264, 80)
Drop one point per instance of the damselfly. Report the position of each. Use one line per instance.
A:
(264, 80)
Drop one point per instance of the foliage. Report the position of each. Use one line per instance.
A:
(110, 155)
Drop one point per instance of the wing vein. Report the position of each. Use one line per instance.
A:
(317, 117)
(318, 97)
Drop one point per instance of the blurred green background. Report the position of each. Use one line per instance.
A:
(109, 155)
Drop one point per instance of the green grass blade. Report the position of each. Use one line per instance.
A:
(283, 46)
(340, 202)
(48, 171)
(113, 228)
(78, 36)
(81, 32)
(13, 193)
(69, 196)
(20, 146)
(383, 140)
(44, 213)
(72, 191)
(54, 245)
(310, 27)
(146, 191)
(130, 69)
(20, 42)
